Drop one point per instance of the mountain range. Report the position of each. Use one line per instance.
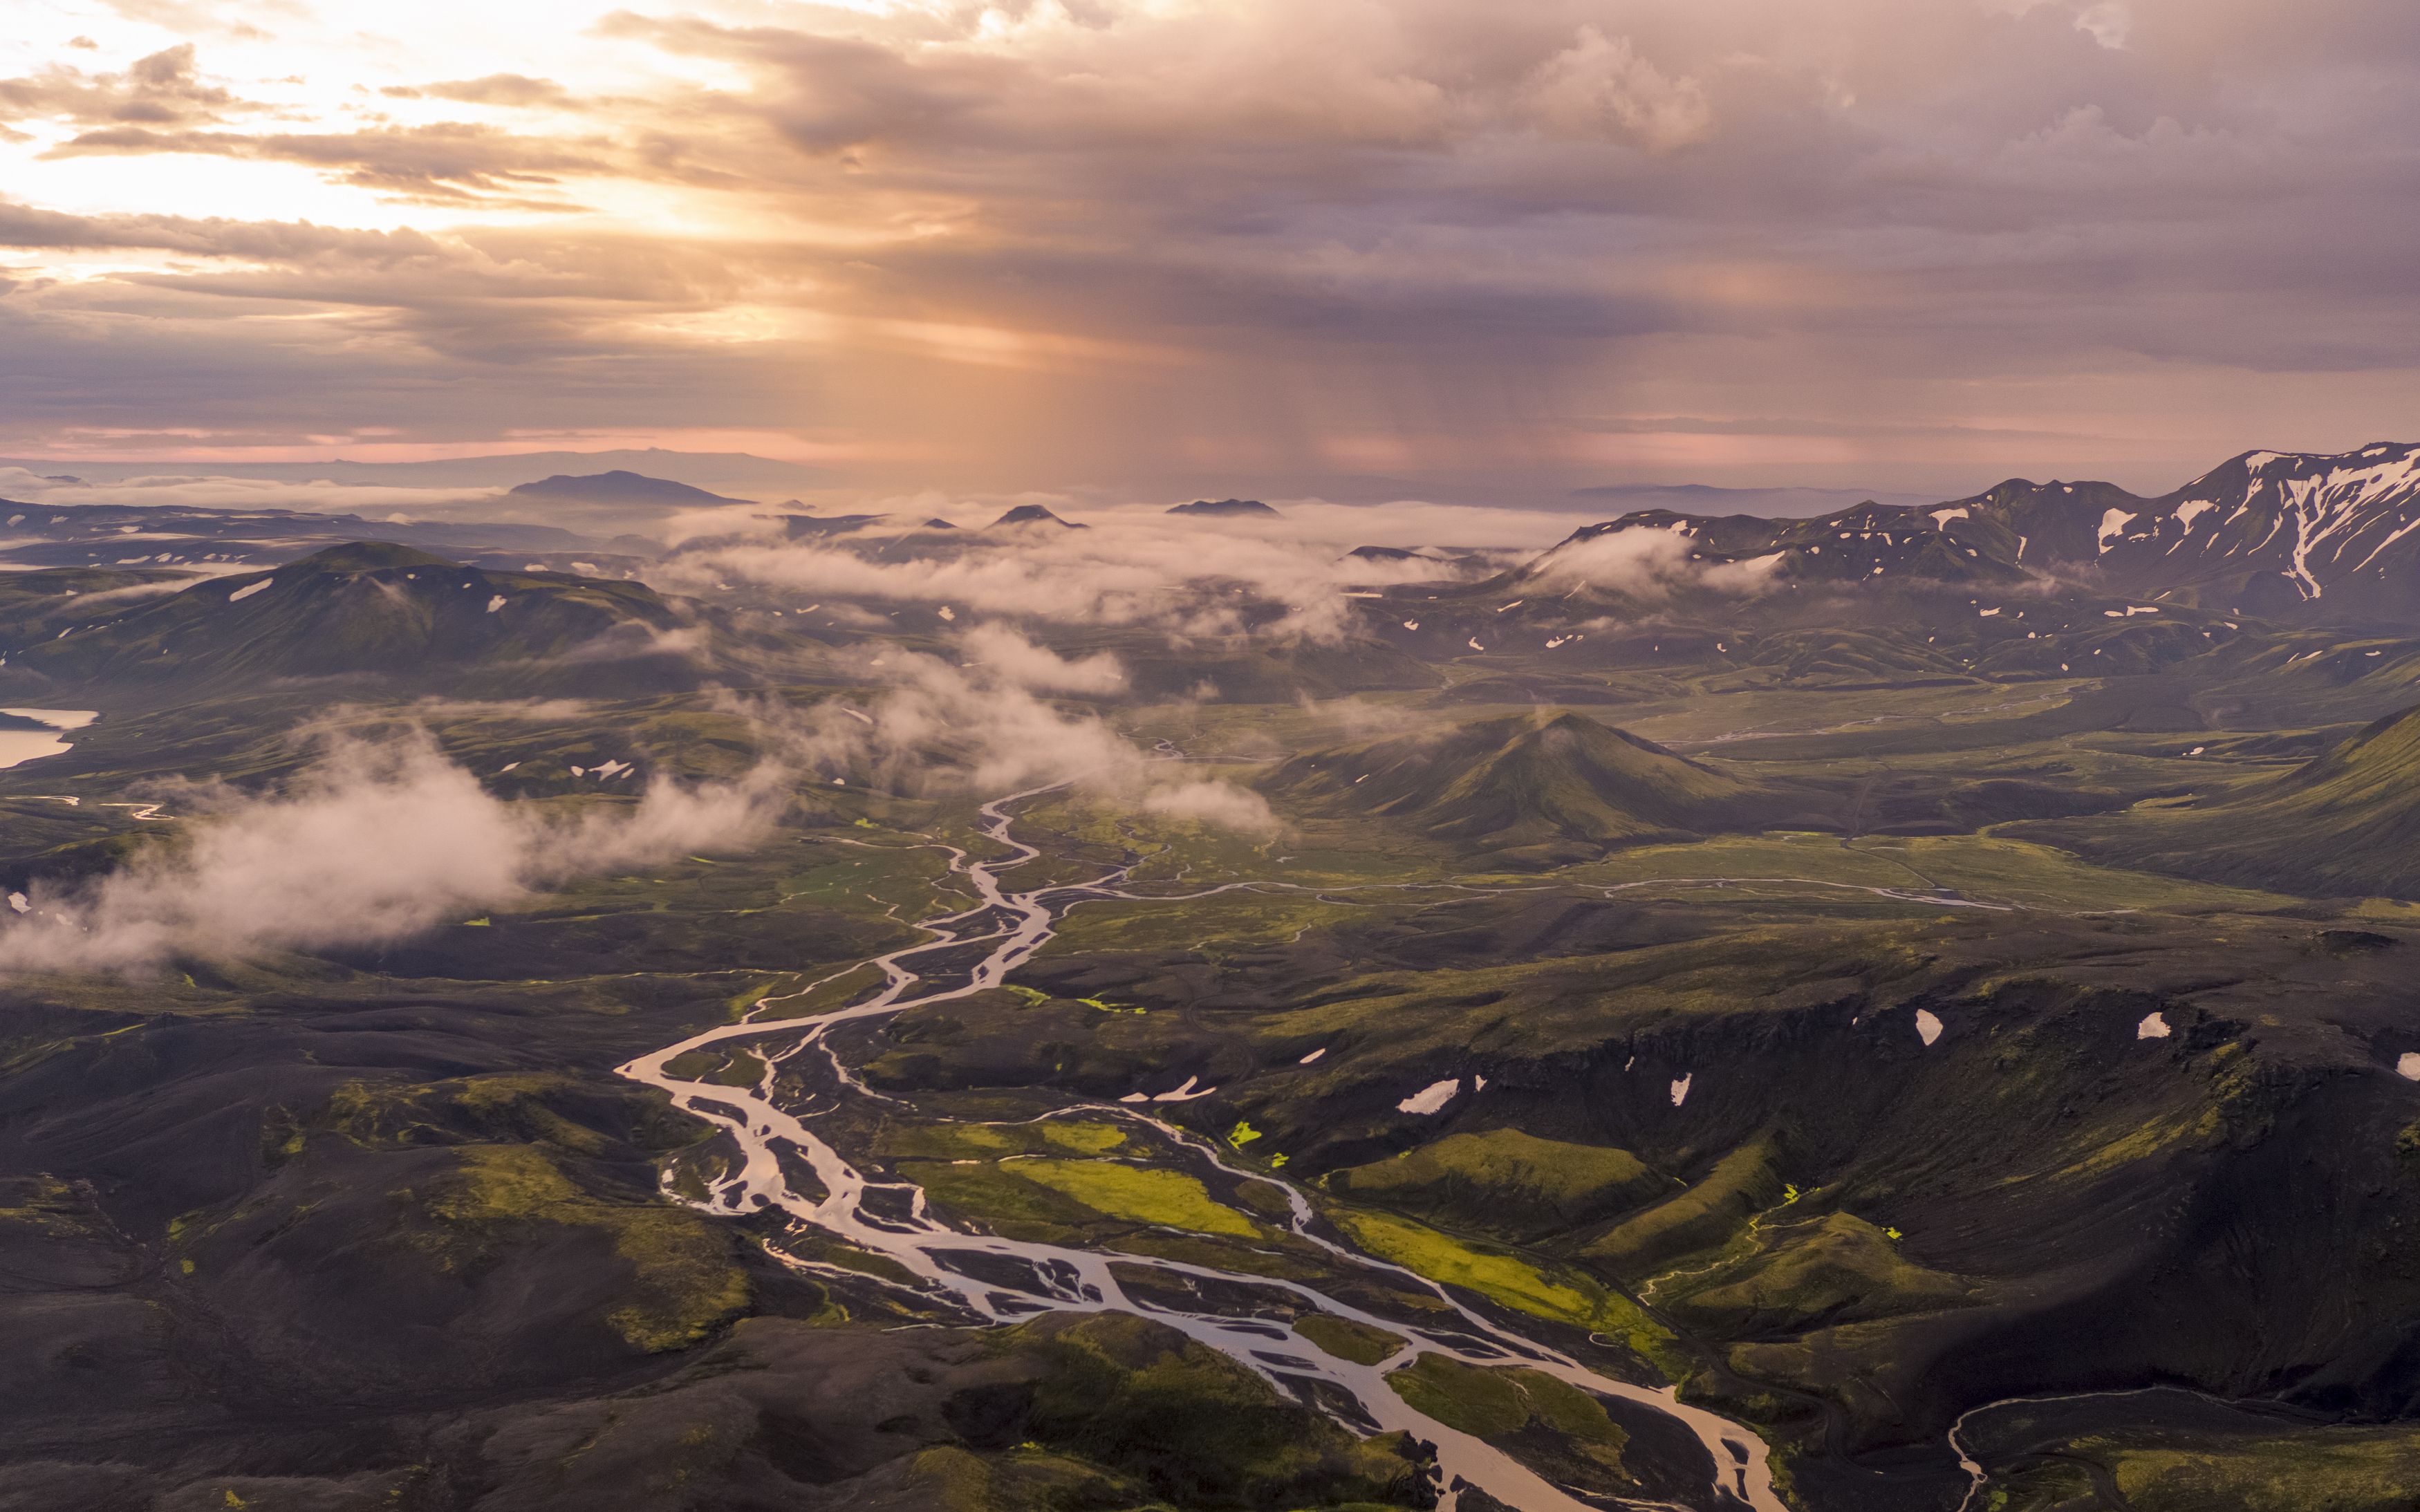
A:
(2266, 533)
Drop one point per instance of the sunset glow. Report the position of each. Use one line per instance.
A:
(1147, 246)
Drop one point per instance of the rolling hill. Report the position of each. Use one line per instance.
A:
(1530, 788)
(154, 536)
(2346, 823)
(365, 610)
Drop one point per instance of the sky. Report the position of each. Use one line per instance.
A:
(1437, 249)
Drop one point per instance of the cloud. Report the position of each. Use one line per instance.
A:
(1221, 805)
(373, 501)
(1186, 574)
(377, 842)
(1019, 662)
(450, 162)
(1357, 249)
(518, 90)
(163, 89)
(984, 726)
(23, 226)
(1647, 563)
(1600, 85)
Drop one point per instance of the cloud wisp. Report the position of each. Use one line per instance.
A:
(376, 842)
(1647, 564)
(986, 725)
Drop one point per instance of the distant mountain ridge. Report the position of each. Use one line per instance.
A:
(1788, 502)
(2264, 532)
(367, 609)
(620, 487)
(1227, 509)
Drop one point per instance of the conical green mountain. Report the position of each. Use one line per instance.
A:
(1524, 781)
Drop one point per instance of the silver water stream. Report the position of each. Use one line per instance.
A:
(1071, 1280)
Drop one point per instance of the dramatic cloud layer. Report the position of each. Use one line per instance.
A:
(378, 842)
(1285, 578)
(1347, 246)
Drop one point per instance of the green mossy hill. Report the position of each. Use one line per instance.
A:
(1055, 1201)
(1547, 1290)
(2344, 823)
(1708, 1213)
(1525, 782)
(367, 608)
(1504, 1182)
(1837, 1268)
(562, 1111)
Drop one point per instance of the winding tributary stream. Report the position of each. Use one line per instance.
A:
(899, 1226)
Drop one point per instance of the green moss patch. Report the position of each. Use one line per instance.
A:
(1498, 1405)
(1561, 1296)
(1838, 1270)
(1504, 1181)
(1140, 1194)
(1346, 1339)
(2304, 1469)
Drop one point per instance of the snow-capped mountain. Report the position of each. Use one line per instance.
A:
(2267, 532)
(2272, 530)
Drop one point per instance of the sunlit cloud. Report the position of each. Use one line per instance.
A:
(1493, 252)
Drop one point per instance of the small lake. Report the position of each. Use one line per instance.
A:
(18, 746)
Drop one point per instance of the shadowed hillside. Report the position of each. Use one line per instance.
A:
(2344, 823)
